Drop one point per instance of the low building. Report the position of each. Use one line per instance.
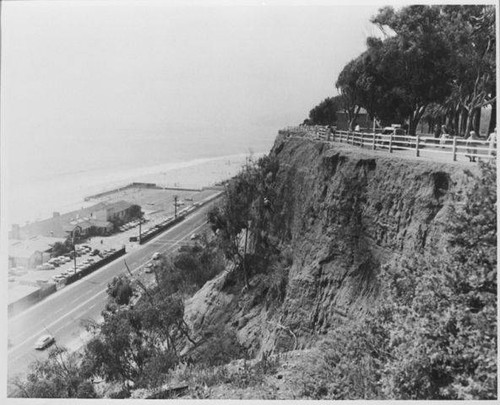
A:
(31, 252)
(94, 220)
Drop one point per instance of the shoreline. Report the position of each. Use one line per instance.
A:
(64, 194)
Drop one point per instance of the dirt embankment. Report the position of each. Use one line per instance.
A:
(343, 212)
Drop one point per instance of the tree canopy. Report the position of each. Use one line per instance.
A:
(434, 61)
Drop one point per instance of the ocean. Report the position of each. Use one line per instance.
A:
(56, 173)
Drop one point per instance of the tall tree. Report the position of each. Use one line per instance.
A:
(413, 63)
(470, 32)
(325, 113)
(347, 84)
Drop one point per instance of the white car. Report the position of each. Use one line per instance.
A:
(156, 256)
(44, 341)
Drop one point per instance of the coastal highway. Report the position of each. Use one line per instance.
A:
(64, 313)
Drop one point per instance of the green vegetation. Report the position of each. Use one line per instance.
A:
(434, 334)
(325, 113)
(61, 248)
(60, 376)
(248, 214)
(435, 62)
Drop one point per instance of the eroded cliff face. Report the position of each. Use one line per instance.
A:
(344, 212)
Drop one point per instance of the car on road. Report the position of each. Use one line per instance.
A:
(149, 267)
(194, 236)
(156, 256)
(44, 341)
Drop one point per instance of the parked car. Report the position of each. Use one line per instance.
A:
(44, 341)
(148, 268)
(47, 266)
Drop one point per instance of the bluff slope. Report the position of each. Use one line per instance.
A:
(342, 212)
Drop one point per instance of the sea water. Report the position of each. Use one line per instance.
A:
(56, 173)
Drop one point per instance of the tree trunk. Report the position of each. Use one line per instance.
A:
(464, 117)
(493, 117)
(477, 120)
(415, 117)
(456, 122)
(471, 122)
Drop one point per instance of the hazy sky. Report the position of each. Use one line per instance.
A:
(118, 66)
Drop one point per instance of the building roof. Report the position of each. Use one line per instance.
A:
(118, 206)
(26, 248)
(62, 225)
(100, 223)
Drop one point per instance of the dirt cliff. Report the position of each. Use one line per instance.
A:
(342, 212)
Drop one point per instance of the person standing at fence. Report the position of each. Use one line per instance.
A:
(357, 128)
(492, 139)
(444, 135)
(329, 133)
(471, 146)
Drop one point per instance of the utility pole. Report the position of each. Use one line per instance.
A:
(74, 250)
(74, 246)
(175, 206)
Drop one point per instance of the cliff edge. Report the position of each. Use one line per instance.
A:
(340, 213)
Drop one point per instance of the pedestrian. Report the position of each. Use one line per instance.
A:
(471, 146)
(357, 128)
(492, 139)
(330, 133)
(444, 135)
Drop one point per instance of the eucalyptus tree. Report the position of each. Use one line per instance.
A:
(412, 62)
(470, 32)
(325, 113)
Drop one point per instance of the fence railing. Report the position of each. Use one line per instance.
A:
(454, 147)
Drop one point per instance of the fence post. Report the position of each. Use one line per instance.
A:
(362, 140)
(390, 143)
(373, 144)
(454, 148)
(416, 145)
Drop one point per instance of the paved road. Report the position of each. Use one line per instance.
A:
(64, 313)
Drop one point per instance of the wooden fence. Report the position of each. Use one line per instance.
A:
(454, 147)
